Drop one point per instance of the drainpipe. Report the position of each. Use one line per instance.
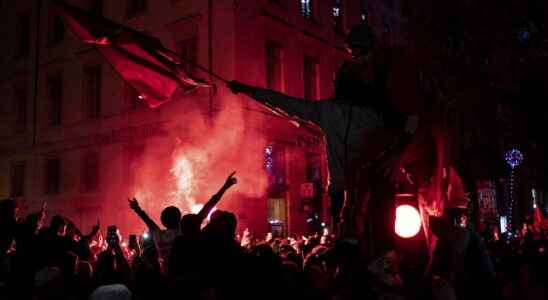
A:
(36, 85)
(210, 52)
(36, 73)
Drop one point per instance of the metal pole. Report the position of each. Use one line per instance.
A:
(198, 66)
(36, 84)
(36, 73)
(210, 52)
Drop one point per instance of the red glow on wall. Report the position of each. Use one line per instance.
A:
(186, 168)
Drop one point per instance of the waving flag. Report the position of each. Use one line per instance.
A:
(538, 219)
(154, 71)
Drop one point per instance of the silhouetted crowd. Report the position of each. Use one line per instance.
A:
(191, 260)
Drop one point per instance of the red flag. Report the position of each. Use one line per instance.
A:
(154, 71)
(537, 218)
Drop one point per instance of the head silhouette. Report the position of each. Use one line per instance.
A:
(222, 225)
(58, 225)
(190, 225)
(360, 40)
(170, 217)
(8, 209)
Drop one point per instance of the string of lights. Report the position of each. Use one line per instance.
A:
(513, 158)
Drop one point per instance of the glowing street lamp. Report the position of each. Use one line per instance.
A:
(408, 220)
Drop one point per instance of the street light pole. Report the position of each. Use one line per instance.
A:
(36, 73)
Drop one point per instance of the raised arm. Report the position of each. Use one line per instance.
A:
(230, 181)
(134, 205)
(291, 106)
(93, 232)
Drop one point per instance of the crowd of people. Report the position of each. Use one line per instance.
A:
(191, 260)
(519, 259)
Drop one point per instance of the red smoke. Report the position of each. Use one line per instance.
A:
(187, 168)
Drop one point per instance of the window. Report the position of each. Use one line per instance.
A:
(307, 9)
(388, 35)
(53, 176)
(313, 177)
(23, 34)
(310, 72)
(187, 52)
(277, 215)
(364, 12)
(96, 7)
(136, 6)
(364, 16)
(275, 164)
(92, 91)
(17, 180)
(20, 109)
(90, 171)
(274, 65)
(338, 24)
(56, 28)
(55, 89)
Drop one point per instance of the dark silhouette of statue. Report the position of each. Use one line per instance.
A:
(364, 130)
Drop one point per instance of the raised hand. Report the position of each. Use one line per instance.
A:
(97, 227)
(43, 211)
(133, 204)
(230, 180)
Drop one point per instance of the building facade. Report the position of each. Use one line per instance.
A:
(75, 135)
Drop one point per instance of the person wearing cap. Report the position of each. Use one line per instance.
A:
(361, 125)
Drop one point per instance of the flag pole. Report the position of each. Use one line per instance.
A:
(210, 51)
(198, 66)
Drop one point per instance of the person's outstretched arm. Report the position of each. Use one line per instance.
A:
(134, 205)
(204, 212)
(93, 232)
(79, 233)
(294, 107)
